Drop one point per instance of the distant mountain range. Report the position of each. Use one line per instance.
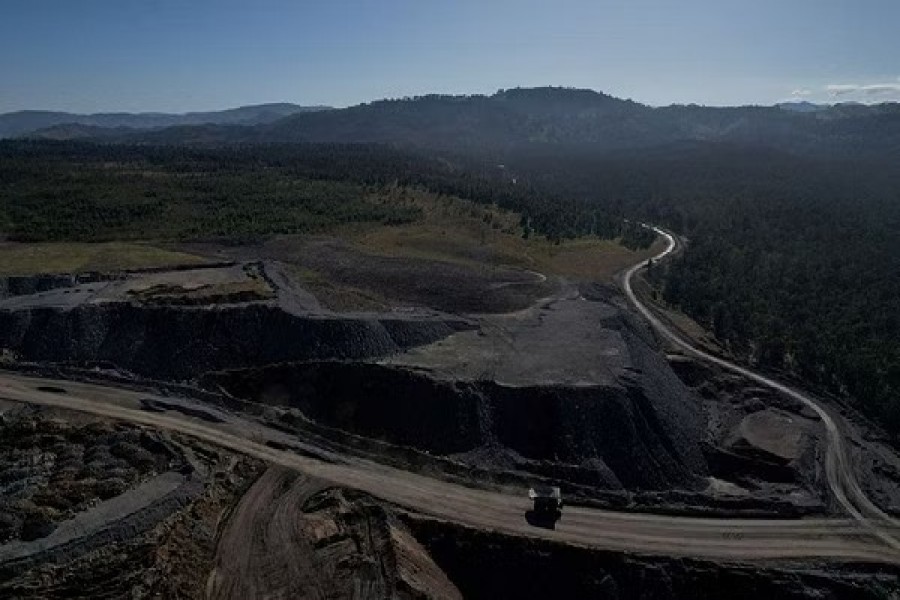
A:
(803, 106)
(522, 119)
(24, 122)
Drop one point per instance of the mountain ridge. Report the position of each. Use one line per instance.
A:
(24, 122)
(522, 118)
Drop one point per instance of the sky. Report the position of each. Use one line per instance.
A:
(184, 55)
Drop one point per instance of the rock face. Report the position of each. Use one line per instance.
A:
(181, 343)
(614, 434)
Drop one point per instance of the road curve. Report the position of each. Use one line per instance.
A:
(730, 539)
(838, 466)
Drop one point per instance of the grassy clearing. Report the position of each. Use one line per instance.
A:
(590, 258)
(459, 231)
(31, 259)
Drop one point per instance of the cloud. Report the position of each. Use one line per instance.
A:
(841, 89)
(869, 90)
(863, 92)
(889, 88)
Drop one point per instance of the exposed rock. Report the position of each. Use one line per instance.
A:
(33, 284)
(181, 343)
(773, 434)
(582, 426)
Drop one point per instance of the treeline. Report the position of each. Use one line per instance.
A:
(80, 192)
(83, 191)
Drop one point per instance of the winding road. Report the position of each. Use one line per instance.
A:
(731, 539)
(868, 536)
(838, 466)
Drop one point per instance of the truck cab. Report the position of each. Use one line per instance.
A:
(547, 506)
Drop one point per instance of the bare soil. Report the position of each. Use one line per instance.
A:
(291, 536)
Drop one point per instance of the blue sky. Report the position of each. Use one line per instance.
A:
(181, 55)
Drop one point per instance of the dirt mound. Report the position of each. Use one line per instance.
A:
(774, 434)
(290, 537)
(758, 441)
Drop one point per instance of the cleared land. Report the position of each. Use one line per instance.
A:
(205, 285)
(456, 256)
(486, 237)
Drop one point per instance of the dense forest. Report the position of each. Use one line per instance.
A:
(88, 192)
(810, 285)
(81, 192)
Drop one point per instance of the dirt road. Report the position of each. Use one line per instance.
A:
(838, 465)
(734, 539)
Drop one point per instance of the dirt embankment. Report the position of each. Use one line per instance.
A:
(608, 436)
(290, 536)
(182, 343)
(487, 565)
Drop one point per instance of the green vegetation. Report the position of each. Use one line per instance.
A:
(483, 236)
(54, 191)
(66, 257)
(70, 192)
(820, 301)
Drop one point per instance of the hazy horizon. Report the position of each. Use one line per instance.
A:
(324, 106)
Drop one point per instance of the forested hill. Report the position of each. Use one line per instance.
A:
(68, 125)
(518, 119)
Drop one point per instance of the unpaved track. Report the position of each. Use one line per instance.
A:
(732, 539)
(261, 548)
(838, 465)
